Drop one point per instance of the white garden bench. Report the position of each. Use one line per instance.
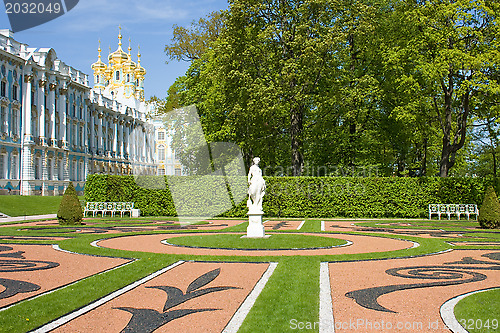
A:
(453, 209)
(111, 207)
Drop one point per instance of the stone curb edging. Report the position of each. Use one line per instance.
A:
(448, 307)
(326, 320)
(237, 320)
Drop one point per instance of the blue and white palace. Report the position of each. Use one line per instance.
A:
(55, 128)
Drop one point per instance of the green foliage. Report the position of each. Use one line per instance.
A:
(319, 197)
(70, 211)
(394, 84)
(489, 213)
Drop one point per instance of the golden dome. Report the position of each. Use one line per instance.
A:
(99, 66)
(118, 56)
(129, 65)
(140, 71)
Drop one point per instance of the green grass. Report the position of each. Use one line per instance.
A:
(480, 312)
(276, 241)
(24, 205)
(290, 294)
(20, 205)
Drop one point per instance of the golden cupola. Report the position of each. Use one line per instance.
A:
(129, 66)
(122, 76)
(118, 57)
(140, 73)
(99, 69)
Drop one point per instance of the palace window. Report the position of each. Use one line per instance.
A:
(34, 123)
(14, 92)
(49, 168)
(60, 173)
(57, 125)
(15, 123)
(82, 170)
(74, 170)
(161, 135)
(3, 166)
(178, 172)
(161, 172)
(3, 89)
(48, 124)
(117, 76)
(14, 171)
(38, 171)
(161, 153)
(3, 119)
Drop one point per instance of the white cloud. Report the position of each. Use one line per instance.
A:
(96, 15)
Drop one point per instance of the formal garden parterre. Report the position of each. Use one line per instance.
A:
(446, 258)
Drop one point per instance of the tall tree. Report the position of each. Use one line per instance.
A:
(189, 44)
(453, 48)
(275, 56)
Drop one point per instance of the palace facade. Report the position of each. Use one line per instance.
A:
(55, 128)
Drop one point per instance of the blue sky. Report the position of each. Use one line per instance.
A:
(148, 23)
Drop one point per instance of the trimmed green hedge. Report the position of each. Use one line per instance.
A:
(302, 196)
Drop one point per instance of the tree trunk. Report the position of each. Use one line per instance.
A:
(296, 127)
(424, 159)
(450, 149)
(493, 153)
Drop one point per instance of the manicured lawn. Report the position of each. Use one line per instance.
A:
(480, 312)
(276, 241)
(22, 205)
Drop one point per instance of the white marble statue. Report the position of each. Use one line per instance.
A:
(256, 187)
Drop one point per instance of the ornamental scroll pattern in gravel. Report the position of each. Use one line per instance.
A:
(447, 274)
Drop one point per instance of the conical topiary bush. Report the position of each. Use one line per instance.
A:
(489, 213)
(70, 211)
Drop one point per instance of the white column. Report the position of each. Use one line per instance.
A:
(52, 111)
(99, 134)
(62, 121)
(45, 173)
(66, 166)
(86, 121)
(122, 142)
(92, 134)
(42, 83)
(26, 136)
(127, 140)
(115, 137)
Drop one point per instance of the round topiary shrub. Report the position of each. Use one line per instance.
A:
(489, 213)
(70, 211)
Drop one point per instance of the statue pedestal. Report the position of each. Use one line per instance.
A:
(255, 228)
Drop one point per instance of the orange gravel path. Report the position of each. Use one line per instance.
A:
(241, 277)
(417, 310)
